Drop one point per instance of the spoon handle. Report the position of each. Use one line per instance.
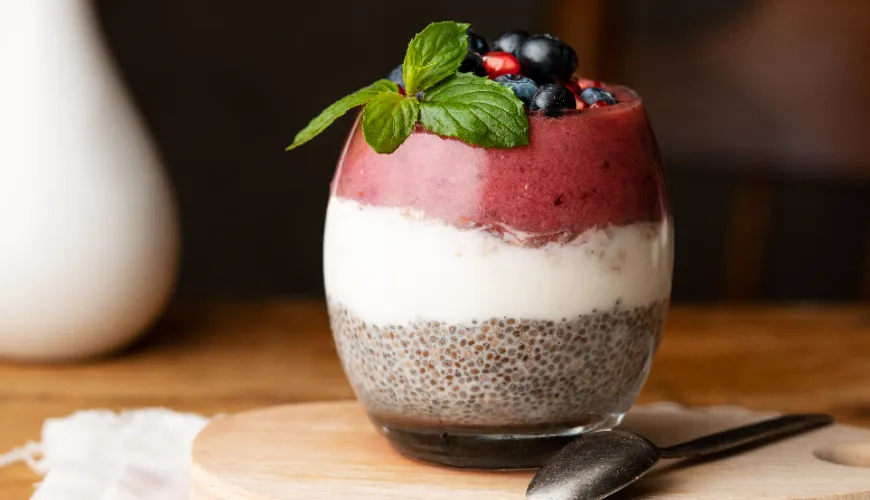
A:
(764, 431)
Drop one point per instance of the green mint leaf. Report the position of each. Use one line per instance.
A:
(388, 120)
(339, 108)
(434, 54)
(476, 110)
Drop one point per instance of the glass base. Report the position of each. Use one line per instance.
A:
(489, 448)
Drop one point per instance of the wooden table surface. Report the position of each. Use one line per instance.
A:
(227, 357)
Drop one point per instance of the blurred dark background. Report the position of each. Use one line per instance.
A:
(761, 107)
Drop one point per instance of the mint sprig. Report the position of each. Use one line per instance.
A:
(477, 110)
(461, 105)
(434, 54)
(339, 108)
(388, 120)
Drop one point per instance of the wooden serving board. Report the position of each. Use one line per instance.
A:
(330, 451)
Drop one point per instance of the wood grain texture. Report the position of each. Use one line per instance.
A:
(330, 451)
(229, 357)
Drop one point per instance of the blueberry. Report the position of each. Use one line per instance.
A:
(523, 86)
(544, 57)
(510, 41)
(473, 63)
(395, 76)
(477, 43)
(592, 95)
(552, 98)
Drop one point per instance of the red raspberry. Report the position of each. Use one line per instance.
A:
(599, 104)
(500, 63)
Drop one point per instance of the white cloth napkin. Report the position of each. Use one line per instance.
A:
(101, 455)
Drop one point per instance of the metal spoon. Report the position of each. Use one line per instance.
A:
(597, 465)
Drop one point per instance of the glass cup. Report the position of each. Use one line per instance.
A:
(489, 305)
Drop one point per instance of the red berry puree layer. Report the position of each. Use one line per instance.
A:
(582, 169)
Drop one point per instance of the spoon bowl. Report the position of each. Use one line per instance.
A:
(597, 465)
(613, 460)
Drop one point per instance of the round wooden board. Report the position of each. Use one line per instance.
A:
(323, 451)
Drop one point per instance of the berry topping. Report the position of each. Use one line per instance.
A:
(500, 63)
(477, 43)
(510, 41)
(545, 57)
(395, 76)
(599, 104)
(473, 63)
(593, 95)
(433, 96)
(523, 86)
(553, 97)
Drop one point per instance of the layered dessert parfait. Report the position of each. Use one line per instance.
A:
(489, 303)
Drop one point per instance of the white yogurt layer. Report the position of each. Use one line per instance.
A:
(395, 265)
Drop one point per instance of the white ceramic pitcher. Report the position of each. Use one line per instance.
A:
(88, 231)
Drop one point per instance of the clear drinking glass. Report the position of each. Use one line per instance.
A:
(487, 304)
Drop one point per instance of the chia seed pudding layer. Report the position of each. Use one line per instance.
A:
(499, 372)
